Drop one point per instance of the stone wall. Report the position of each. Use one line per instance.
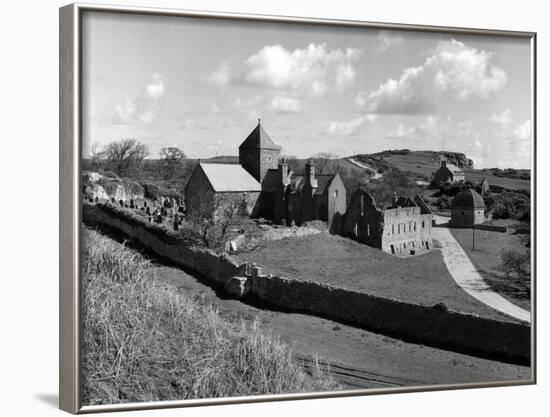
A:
(433, 325)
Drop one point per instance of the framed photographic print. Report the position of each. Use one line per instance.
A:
(260, 208)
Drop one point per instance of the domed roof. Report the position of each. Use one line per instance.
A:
(468, 199)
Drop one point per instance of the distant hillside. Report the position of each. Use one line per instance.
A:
(422, 164)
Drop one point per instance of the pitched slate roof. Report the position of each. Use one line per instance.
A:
(229, 178)
(259, 138)
(323, 182)
(468, 199)
(424, 208)
(454, 169)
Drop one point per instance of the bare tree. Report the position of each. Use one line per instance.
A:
(97, 155)
(125, 154)
(171, 158)
(326, 162)
(213, 230)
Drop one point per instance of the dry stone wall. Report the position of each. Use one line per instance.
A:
(431, 325)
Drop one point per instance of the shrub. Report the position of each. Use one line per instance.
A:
(509, 205)
(145, 341)
(516, 262)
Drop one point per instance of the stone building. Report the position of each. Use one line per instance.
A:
(289, 197)
(483, 187)
(218, 190)
(266, 184)
(448, 174)
(467, 209)
(403, 228)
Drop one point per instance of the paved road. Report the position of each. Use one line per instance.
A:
(375, 175)
(465, 274)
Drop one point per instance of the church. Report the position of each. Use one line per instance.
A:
(263, 185)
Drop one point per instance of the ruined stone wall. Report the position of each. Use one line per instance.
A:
(433, 325)
(405, 229)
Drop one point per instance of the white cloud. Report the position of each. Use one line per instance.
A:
(348, 127)
(387, 39)
(155, 88)
(282, 104)
(401, 132)
(131, 112)
(503, 119)
(454, 70)
(222, 76)
(313, 70)
(523, 131)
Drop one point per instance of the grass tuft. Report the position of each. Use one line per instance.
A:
(144, 341)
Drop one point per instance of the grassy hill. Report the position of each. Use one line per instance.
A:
(145, 341)
(423, 164)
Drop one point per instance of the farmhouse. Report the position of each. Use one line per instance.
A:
(265, 186)
(448, 174)
(467, 209)
(403, 228)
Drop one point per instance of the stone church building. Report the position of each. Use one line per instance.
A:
(266, 185)
(403, 228)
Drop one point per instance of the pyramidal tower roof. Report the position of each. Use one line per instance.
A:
(259, 138)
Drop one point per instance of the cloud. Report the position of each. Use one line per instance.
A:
(503, 119)
(401, 132)
(348, 127)
(222, 76)
(523, 132)
(454, 70)
(387, 39)
(281, 104)
(313, 70)
(130, 112)
(141, 109)
(155, 88)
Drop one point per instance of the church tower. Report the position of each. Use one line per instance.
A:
(258, 153)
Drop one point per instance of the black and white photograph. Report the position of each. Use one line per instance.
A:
(274, 207)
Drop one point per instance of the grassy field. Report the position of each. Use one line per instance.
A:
(422, 163)
(487, 259)
(145, 341)
(342, 262)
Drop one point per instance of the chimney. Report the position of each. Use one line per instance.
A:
(443, 162)
(394, 200)
(310, 173)
(283, 171)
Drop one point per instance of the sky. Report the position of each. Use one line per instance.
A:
(202, 84)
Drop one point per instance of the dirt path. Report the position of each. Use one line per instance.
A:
(375, 175)
(359, 359)
(465, 274)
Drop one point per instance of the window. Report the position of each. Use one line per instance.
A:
(422, 224)
(368, 229)
(268, 158)
(392, 229)
(415, 226)
(362, 204)
(336, 195)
